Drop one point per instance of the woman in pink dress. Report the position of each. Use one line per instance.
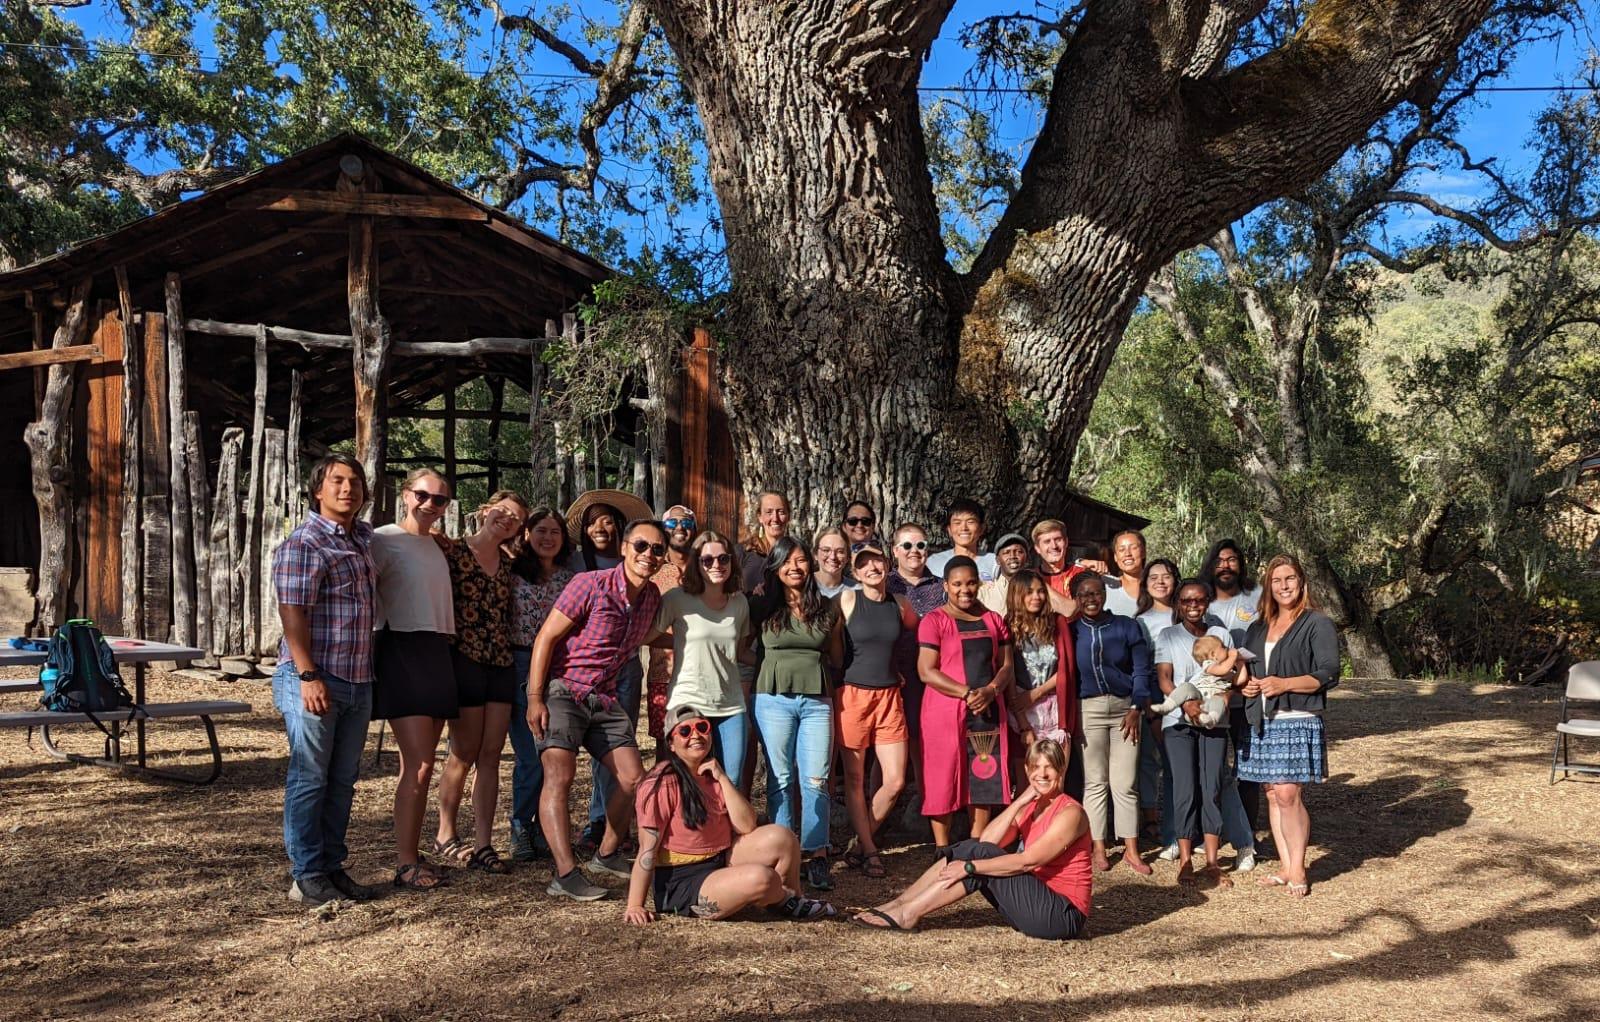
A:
(965, 662)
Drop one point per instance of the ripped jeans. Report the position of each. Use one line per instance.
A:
(797, 732)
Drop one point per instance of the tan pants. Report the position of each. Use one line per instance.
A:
(1110, 768)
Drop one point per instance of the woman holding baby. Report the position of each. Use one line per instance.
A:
(1197, 748)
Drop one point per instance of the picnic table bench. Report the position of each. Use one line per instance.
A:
(140, 654)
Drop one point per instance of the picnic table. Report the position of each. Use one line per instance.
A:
(140, 653)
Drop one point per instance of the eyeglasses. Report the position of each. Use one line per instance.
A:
(857, 522)
(696, 727)
(1201, 600)
(436, 499)
(715, 560)
(921, 544)
(656, 549)
(673, 524)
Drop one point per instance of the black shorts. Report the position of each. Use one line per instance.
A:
(677, 888)
(413, 676)
(1023, 901)
(586, 723)
(477, 684)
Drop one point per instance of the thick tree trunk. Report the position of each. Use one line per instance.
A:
(857, 361)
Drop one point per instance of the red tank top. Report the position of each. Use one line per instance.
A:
(1069, 874)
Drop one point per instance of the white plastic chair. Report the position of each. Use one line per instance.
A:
(1583, 685)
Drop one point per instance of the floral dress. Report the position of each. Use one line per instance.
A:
(531, 603)
(483, 608)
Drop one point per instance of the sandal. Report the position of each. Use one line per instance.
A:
(488, 860)
(853, 857)
(418, 877)
(454, 850)
(1297, 891)
(888, 921)
(872, 866)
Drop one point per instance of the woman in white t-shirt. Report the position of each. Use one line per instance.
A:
(414, 684)
(709, 621)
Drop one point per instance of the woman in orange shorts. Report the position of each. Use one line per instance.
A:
(872, 715)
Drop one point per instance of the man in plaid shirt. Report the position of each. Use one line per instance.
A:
(325, 581)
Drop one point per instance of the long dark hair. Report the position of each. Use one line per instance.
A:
(1040, 627)
(813, 607)
(585, 544)
(524, 561)
(1146, 601)
(691, 804)
(1208, 567)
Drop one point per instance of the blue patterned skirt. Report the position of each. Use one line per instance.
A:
(1292, 751)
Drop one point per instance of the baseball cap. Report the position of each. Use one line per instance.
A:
(1008, 539)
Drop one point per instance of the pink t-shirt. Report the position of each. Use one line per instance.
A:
(1068, 874)
(659, 803)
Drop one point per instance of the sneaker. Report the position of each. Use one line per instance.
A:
(522, 842)
(817, 873)
(616, 864)
(805, 909)
(575, 886)
(1245, 861)
(1169, 853)
(347, 887)
(312, 891)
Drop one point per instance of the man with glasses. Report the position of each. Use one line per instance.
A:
(681, 531)
(600, 620)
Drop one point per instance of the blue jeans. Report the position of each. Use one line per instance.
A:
(324, 761)
(527, 775)
(730, 737)
(630, 680)
(797, 732)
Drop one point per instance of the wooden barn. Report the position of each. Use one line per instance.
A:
(162, 386)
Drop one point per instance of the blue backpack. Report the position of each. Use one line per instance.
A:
(80, 675)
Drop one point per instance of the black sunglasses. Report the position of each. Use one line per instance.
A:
(436, 499)
(906, 544)
(715, 560)
(856, 521)
(656, 549)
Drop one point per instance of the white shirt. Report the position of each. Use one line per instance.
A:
(988, 567)
(413, 583)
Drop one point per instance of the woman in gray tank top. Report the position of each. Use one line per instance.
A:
(871, 711)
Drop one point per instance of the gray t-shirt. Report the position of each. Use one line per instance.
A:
(1237, 611)
(1118, 599)
(988, 567)
(1175, 646)
(1154, 621)
(705, 651)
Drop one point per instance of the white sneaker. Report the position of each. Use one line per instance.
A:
(1169, 853)
(1245, 861)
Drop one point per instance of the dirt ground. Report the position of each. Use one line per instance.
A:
(1450, 880)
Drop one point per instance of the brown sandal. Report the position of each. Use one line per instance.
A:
(872, 866)
(418, 877)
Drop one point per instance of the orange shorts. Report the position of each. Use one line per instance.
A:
(871, 716)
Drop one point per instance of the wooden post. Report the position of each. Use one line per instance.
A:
(103, 459)
(249, 557)
(132, 561)
(497, 403)
(49, 447)
(194, 460)
(36, 309)
(294, 482)
(224, 525)
(182, 557)
(370, 350)
(541, 461)
(155, 513)
(450, 424)
(271, 629)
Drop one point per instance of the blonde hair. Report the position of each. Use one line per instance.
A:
(830, 530)
(1048, 526)
(418, 474)
(1048, 749)
(755, 537)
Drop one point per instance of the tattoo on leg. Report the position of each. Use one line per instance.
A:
(706, 908)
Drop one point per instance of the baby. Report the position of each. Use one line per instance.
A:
(1217, 666)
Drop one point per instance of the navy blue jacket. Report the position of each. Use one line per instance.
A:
(1113, 658)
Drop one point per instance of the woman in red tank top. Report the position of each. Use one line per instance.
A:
(1041, 889)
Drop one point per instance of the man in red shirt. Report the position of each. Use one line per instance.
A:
(1051, 547)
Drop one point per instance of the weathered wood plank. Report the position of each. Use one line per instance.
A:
(154, 512)
(194, 460)
(48, 439)
(225, 627)
(272, 533)
(157, 534)
(132, 364)
(182, 557)
(294, 480)
(248, 561)
(103, 449)
(51, 356)
(307, 200)
(470, 348)
(370, 360)
(497, 403)
(449, 432)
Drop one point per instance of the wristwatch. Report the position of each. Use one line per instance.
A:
(972, 870)
(315, 674)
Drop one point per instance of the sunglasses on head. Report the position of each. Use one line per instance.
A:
(715, 560)
(693, 727)
(674, 524)
(656, 549)
(858, 522)
(436, 499)
(920, 544)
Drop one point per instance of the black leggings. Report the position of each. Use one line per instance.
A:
(1023, 901)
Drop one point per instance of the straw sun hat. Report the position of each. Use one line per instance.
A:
(630, 506)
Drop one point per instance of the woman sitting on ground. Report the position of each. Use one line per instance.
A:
(1041, 890)
(700, 851)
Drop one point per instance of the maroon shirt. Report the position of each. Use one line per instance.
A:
(609, 630)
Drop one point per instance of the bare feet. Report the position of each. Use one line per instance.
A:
(1137, 864)
(1272, 880)
(1215, 878)
(1101, 863)
(1186, 873)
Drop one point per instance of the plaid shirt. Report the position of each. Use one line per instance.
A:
(609, 630)
(328, 570)
(925, 596)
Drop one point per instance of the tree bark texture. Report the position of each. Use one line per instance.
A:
(857, 361)
(49, 441)
(371, 352)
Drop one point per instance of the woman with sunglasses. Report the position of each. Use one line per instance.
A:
(486, 682)
(772, 524)
(833, 554)
(860, 525)
(709, 621)
(924, 590)
(802, 642)
(700, 851)
(538, 574)
(415, 689)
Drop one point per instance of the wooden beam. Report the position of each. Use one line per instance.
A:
(178, 476)
(51, 356)
(370, 361)
(191, 273)
(271, 535)
(247, 595)
(308, 339)
(305, 200)
(294, 482)
(224, 526)
(194, 460)
(49, 447)
(132, 366)
(434, 414)
(550, 250)
(155, 513)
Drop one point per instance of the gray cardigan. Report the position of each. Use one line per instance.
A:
(1310, 646)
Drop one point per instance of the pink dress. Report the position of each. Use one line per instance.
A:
(969, 652)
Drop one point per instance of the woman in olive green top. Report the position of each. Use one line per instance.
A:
(801, 639)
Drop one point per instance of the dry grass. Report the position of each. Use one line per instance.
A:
(1450, 880)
